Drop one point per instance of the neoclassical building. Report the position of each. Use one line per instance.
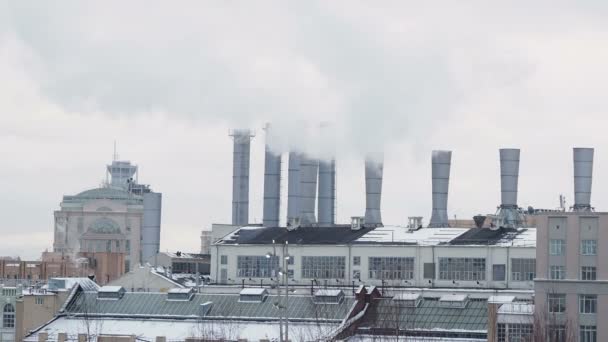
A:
(120, 217)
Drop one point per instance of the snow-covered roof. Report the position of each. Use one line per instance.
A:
(108, 288)
(454, 297)
(327, 293)
(253, 291)
(407, 296)
(501, 299)
(424, 236)
(516, 308)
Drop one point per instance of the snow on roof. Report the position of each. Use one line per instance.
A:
(253, 291)
(180, 290)
(110, 289)
(407, 296)
(501, 299)
(454, 298)
(327, 293)
(424, 236)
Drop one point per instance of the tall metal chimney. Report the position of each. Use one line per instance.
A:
(373, 192)
(327, 193)
(309, 168)
(508, 215)
(240, 176)
(441, 161)
(583, 173)
(293, 187)
(272, 186)
(150, 226)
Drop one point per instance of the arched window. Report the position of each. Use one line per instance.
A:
(8, 316)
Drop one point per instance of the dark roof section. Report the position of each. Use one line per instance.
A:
(341, 234)
(429, 318)
(486, 236)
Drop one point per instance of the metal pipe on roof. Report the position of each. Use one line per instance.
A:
(327, 193)
(441, 162)
(240, 176)
(309, 168)
(373, 192)
(272, 186)
(583, 177)
(150, 226)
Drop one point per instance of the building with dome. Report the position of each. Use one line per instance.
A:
(122, 217)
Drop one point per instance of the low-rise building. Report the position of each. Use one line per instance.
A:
(182, 263)
(8, 298)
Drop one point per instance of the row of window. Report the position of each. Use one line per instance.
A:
(559, 272)
(387, 268)
(587, 304)
(558, 247)
(556, 333)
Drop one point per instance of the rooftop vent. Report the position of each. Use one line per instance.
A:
(357, 222)
(204, 309)
(253, 295)
(458, 301)
(508, 215)
(409, 300)
(111, 292)
(325, 296)
(180, 294)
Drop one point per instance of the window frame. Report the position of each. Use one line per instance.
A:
(560, 304)
(554, 244)
(588, 247)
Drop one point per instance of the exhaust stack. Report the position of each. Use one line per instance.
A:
(293, 188)
(272, 186)
(240, 176)
(441, 162)
(373, 192)
(327, 193)
(308, 190)
(583, 176)
(508, 215)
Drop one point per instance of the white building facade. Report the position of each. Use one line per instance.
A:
(389, 256)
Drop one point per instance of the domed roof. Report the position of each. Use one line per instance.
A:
(105, 193)
(104, 225)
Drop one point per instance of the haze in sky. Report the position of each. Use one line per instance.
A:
(168, 82)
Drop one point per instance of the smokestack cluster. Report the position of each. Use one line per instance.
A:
(272, 186)
(583, 176)
(441, 161)
(240, 176)
(373, 192)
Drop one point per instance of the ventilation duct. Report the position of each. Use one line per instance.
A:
(373, 192)
(293, 188)
(327, 193)
(508, 215)
(272, 186)
(441, 161)
(240, 176)
(583, 173)
(309, 168)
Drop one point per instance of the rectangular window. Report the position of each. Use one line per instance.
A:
(290, 274)
(557, 272)
(429, 270)
(224, 260)
(557, 333)
(523, 269)
(589, 247)
(557, 247)
(257, 266)
(468, 269)
(498, 272)
(588, 333)
(323, 267)
(556, 303)
(40, 300)
(501, 333)
(128, 246)
(356, 261)
(291, 260)
(587, 304)
(391, 268)
(357, 275)
(588, 273)
(519, 332)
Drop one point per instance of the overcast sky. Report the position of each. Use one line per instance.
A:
(168, 81)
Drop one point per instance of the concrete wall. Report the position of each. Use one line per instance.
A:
(34, 310)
